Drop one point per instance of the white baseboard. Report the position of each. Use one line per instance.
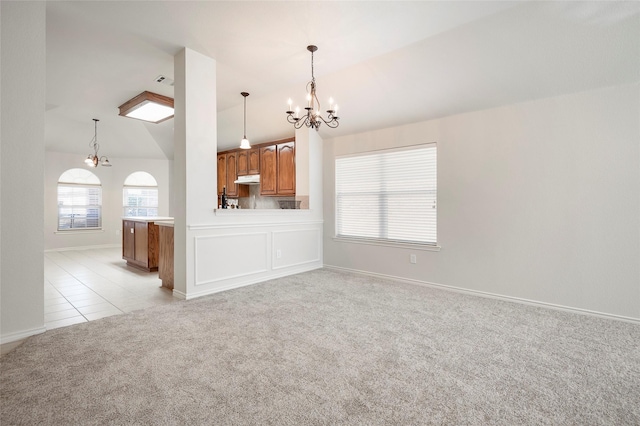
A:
(20, 335)
(490, 295)
(100, 246)
(261, 278)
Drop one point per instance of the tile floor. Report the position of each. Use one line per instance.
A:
(85, 285)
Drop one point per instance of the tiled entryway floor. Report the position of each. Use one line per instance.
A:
(85, 285)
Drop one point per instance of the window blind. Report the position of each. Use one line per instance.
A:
(388, 195)
(142, 201)
(79, 206)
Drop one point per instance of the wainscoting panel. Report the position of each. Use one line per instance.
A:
(224, 257)
(295, 247)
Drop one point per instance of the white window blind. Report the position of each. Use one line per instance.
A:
(79, 206)
(140, 195)
(140, 201)
(79, 200)
(388, 195)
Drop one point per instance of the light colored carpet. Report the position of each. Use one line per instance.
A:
(328, 347)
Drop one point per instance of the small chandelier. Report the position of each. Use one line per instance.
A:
(244, 143)
(93, 160)
(313, 118)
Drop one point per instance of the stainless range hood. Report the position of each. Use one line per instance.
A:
(248, 180)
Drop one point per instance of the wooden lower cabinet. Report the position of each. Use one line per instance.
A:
(140, 244)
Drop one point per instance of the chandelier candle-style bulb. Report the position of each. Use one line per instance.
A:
(313, 117)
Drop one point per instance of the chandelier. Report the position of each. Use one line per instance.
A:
(313, 117)
(92, 160)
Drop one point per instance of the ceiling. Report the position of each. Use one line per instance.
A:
(385, 63)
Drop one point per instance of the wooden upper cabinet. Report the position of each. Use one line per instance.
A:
(228, 174)
(274, 162)
(278, 169)
(232, 174)
(248, 162)
(286, 168)
(268, 170)
(222, 172)
(243, 162)
(254, 162)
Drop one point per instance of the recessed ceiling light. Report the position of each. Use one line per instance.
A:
(148, 106)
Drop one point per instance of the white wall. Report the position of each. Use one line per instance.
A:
(537, 201)
(112, 180)
(22, 80)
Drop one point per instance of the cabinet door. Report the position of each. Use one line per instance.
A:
(153, 246)
(243, 162)
(268, 170)
(141, 243)
(254, 162)
(232, 174)
(128, 240)
(222, 172)
(286, 169)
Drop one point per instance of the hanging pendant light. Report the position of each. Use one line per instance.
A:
(244, 143)
(93, 160)
(313, 118)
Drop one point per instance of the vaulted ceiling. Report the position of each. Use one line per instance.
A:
(386, 63)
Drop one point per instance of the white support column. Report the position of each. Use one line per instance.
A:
(195, 139)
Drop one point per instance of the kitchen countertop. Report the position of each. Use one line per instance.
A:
(168, 223)
(149, 219)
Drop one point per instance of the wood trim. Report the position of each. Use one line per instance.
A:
(143, 98)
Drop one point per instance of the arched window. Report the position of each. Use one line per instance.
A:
(79, 200)
(140, 195)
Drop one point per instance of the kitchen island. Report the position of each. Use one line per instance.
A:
(140, 241)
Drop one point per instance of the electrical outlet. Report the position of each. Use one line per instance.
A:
(278, 254)
(412, 258)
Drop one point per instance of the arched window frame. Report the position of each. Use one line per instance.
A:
(79, 201)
